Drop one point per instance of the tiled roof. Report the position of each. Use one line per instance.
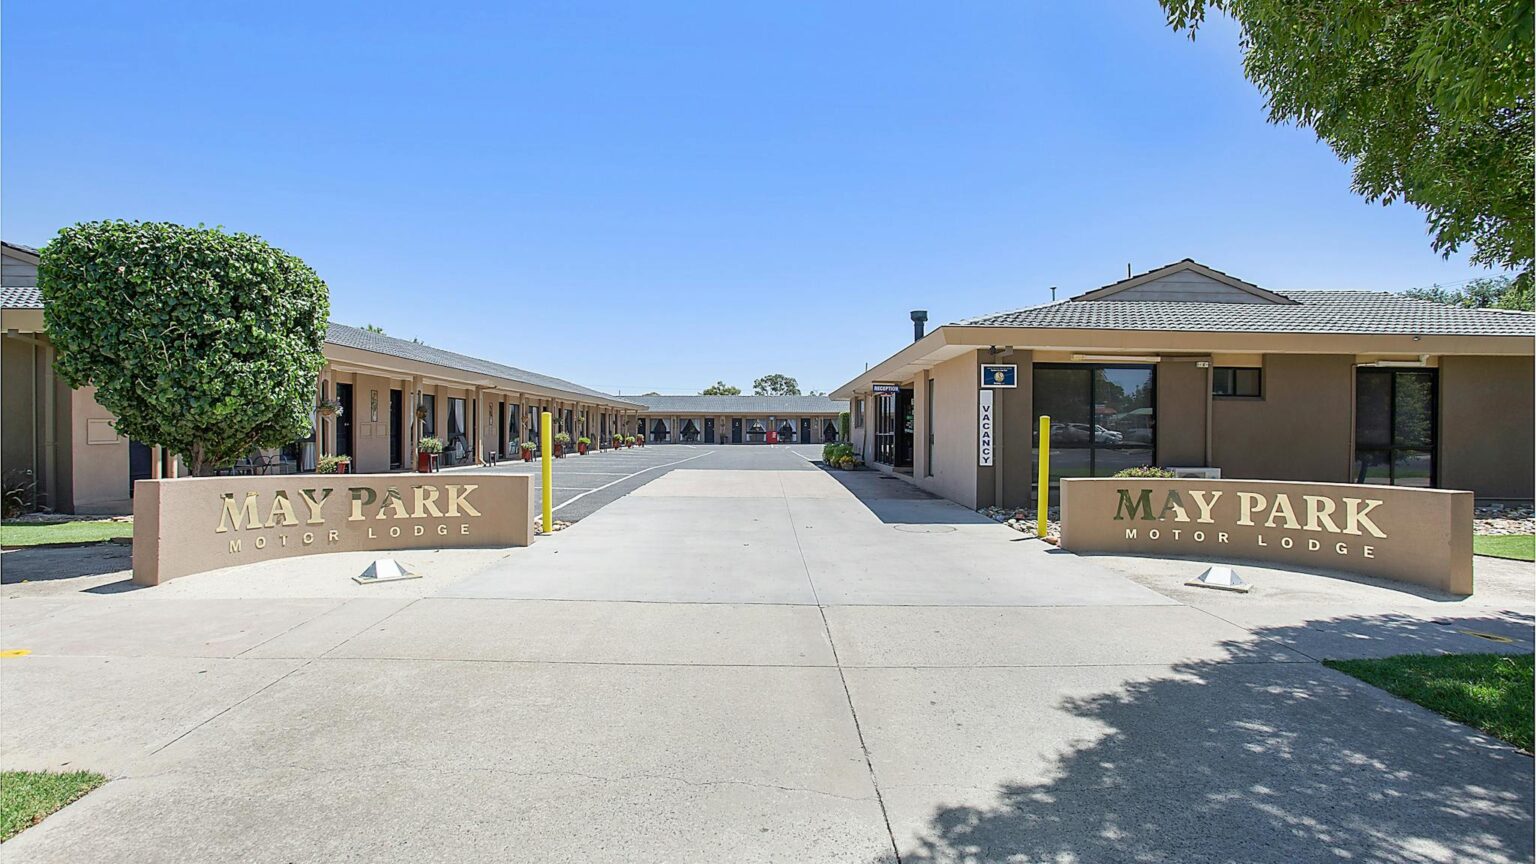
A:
(20, 297)
(786, 405)
(365, 340)
(1313, 312)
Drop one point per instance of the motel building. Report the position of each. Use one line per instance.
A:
(1188, 368)
(391, 392)
(740, 419)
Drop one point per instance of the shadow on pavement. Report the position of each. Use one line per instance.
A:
(1223, 761)
(894, 501)
(46, 564)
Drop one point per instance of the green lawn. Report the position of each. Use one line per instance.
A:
(1492, 692)
(1520, 547)
(35, 534)
(27, 796)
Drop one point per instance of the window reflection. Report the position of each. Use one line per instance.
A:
(1103, 418)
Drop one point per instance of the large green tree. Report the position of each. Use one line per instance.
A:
(1429, 99)
(776, 385)
(1495, 292)
(205, 343)
(720, 388)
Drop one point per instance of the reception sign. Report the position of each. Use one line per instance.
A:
(1422, 536)
(194, 524)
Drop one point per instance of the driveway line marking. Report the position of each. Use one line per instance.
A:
(626, 477)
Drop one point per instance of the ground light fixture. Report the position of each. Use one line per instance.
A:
(384, 570)
(1221, 578)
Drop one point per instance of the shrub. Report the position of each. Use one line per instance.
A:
(842, 425)
(16, 493)
(430, 444)
(1147, 471)
(584, 440)
(562, 438)
(331, 464)
(203, 342)
(833, 453)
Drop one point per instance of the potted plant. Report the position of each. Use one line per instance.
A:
(629, 441)
(582, 444)
(328, 408)
(527, 448)
(561, 439)
(618, 441)
(332, 464)
(427, 450)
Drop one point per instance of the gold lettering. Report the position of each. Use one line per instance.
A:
(426, 501)
(1143, 503)
(313, 503)
(233, 514)
(419, 530)
(464, 528)
(333, 536)
(1130, 533)
(1221, 537)
(1313, 545)
(261, 542)
(281, 506)
(1204, 505)
(1341, 549)
(362, 496)
(1176, 504)
(1368, 551)
(1354, 517)
(393, 502)
(1247, 503)
(234, 546)
(458, 498)
(1320, 513)
(1283, 510)
(309, 537)
(394, 530)
(442, 530)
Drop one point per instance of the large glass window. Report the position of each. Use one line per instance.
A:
(1103, 418)
(1395, 419)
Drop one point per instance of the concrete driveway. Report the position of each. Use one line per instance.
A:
(755, 662)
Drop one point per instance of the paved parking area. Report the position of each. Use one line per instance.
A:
(764, 662)
(585, 484)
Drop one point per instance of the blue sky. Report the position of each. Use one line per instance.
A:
(657, 195)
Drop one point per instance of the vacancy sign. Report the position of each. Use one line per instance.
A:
(984, 428)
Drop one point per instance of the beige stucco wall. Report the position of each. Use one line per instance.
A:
(954, 431)
(1182, 398)
(98, 471)
(1487, 425)
(19, 368)
(1303, 428)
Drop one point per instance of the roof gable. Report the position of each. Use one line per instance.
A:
(1186, 281)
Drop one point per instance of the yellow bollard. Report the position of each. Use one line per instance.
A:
(1045, 475)
(546, 454)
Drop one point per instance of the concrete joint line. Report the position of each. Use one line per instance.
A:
(842, 678)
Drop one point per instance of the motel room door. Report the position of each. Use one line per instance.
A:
(396, 428)
(735, 430)
(709, 430)
(805, 430)
(344, 420)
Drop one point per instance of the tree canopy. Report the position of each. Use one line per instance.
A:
(720, 388)
(1496, 292)
(775, 385)
(205, 343)
(1430, 101)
